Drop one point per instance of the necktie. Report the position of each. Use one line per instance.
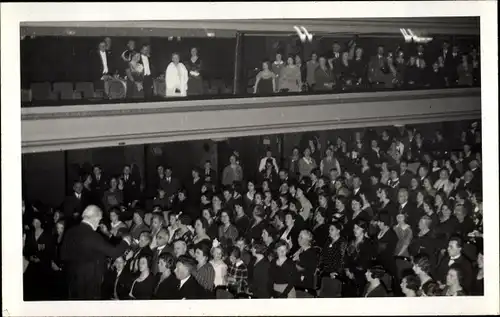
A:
(126, 177)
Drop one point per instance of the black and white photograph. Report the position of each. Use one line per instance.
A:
(250, 158)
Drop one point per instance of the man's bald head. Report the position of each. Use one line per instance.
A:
(92, 214)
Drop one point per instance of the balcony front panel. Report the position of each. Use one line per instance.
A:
(64, 128)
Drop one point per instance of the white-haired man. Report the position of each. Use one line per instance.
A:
(84, 252)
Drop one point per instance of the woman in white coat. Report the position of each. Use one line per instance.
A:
(176, 78)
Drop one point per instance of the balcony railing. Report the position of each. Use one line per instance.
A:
(84, 126)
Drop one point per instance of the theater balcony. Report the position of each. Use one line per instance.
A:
(87, 126)
(67, 103)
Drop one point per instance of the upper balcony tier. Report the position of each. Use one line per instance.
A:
(61, 63)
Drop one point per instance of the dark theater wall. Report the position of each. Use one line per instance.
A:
(44, 177)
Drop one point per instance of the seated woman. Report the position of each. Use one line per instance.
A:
(227, 231)
(454, 281)
(290, 79)
(143, 286)
(201, 227)
(113, 197)
(205, 272)
(359, 254)
(332, 262)
(259, 278)
(283, 273)
(323, 76)
(176, 78)
(410, 285)
(412, 75)
(422, 267)
(306, 261)
(346, 72)
(167, 283)
(237, 273)
(375, 287)
(320, 229)
(303, 72)
(183, 233)
(135, 76)
(444, 184)
(265, 82)
(359, 67)
(405, 235)
(138, 225)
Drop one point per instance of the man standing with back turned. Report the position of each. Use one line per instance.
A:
(84, 251)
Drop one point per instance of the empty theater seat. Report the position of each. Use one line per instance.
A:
(86, 89)
(42, 91)
(159, 87)
(64, 90)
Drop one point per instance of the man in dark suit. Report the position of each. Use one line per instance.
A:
(171, 185)
(357, 184)
(405, 175)
(131, 186)
(117, 282)
(188, 286)
(168, 283)
(74, 204)
(451, 62)
(374, 155)
(455, 258)
(148, 70)
(101, 65)
(84, 252)
(376, 66)
(99, 183)
(194, 188)
(408, 208)
(336, 59)
(209, 175)
(468, 183)
(162, 238)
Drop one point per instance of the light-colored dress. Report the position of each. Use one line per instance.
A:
(290, 78)
(220, 273)
(405, 235)
(176, 80)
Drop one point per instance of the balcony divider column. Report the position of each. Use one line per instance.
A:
(237, 63)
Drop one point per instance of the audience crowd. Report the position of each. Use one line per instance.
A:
(383, 215)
